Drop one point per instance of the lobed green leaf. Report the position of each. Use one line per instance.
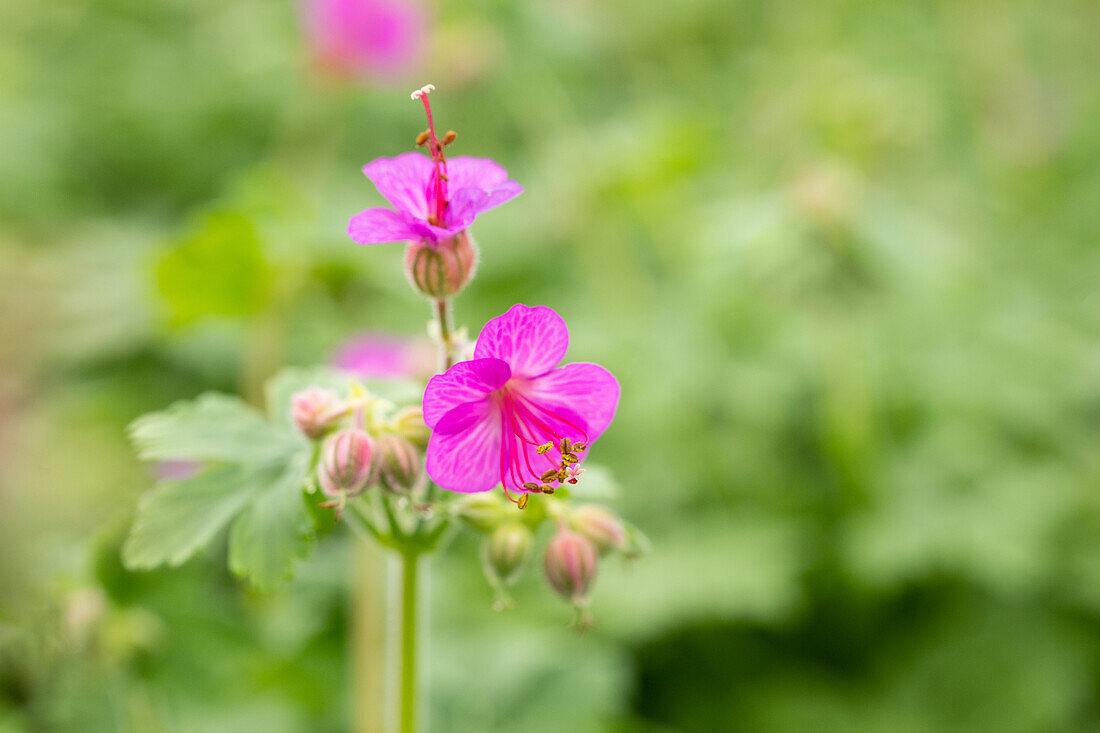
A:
(213, 427)
(274, 531)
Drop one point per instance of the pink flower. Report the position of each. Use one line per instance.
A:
(365, 37)
(504, 416)
(474, 185)
(381, 356)
(433, 198)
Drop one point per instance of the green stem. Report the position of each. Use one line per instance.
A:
(443, 318)
(410, 563)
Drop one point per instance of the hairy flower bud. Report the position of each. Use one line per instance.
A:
(571, 563)
(345, 466)
(441, 269)
(408, 422)
(600, 525)
(505, 552)
(313, 410)
(398, 462)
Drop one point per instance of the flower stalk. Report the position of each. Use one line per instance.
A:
(410, 628)
(443, 324)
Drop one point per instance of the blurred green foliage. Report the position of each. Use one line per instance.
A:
(841, 255)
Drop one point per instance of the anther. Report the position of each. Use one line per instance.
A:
(568, 458)
(547, 489)
(423, 138)
(448, 137)
(544, 448)
(566, 445)
(550, 474)
(578, 447)
(531, 486)
(522, 503)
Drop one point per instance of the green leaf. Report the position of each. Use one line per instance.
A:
(274, 531)
(218, 270)
(176, 518)
(213, 427)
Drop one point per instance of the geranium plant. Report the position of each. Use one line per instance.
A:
(495, 443)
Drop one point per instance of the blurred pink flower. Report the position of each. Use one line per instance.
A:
(176, 470)
(382, 356)
(365, 38)
(504, 416)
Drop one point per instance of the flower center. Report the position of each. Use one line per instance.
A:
(437, 185)
(540, 446)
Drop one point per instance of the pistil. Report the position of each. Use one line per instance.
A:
(438, 203)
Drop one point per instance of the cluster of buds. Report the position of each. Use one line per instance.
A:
(364, 442)
(584, 534)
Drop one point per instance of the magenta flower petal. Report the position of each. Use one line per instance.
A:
(465, 171)
(583, 388)
(532, 340)
(467, 381)
(403, 181)
(378, 226)
(467, 461)
(468, 203)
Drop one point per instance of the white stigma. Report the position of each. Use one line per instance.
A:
(422, 91)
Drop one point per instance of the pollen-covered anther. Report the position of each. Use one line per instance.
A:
(566, 445)
(531, 486)
(550, 474)
(422, 138)
(547, 489)
(448, 137)
(522, 503)
(544, 448)
(579, 447)
(422, 91)
(569, 458)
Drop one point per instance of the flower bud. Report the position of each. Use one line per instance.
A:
(345, 465)
(398, 462)
(482, 512)
(599, 525)
(408, 422)
(571, 563)
(505, 552)
(441, 269)
(313, 410)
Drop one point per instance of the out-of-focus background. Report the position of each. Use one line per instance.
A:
(841, 255)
